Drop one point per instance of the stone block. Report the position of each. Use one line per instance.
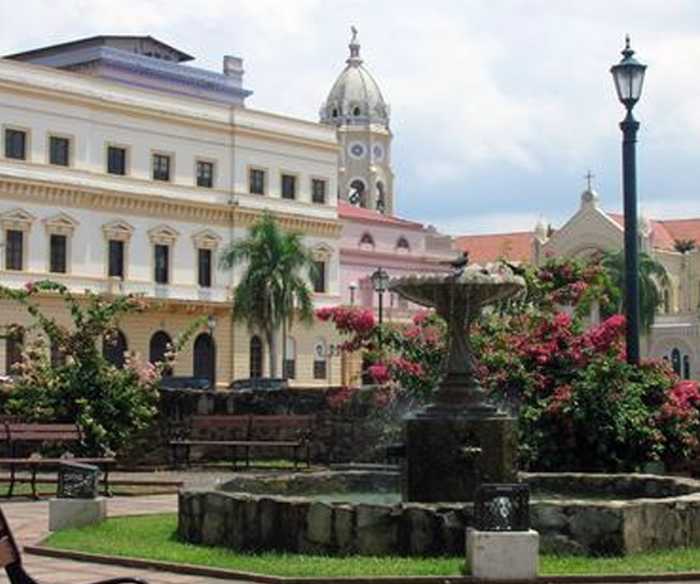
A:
(377, 530)
(319, 523)
(68, 513)
(501, 555)
(344, 529)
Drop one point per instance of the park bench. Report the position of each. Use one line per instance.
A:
(19, 437)
(11, 560)
(248, 432)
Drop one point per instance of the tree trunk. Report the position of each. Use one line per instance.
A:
(284, 347)
(272, 351)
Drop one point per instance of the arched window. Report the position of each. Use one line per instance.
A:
(290, 359)
(256, 357)
(159, 345)
(204, 358)
(676, 361)
(402, 245)
(13, 350)
(114, 349)
(335, 112)
(358, 193)
(367, 241)
(381, 197)
(686, 367)
(356, 111)
(320, 360)
(667, 301)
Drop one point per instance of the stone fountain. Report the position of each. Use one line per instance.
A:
(460, 440)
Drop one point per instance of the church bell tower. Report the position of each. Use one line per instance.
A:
(356, 107)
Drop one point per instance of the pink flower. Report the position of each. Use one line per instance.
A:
(380, 373)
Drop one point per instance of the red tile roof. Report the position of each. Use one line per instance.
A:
(348, 211)
(491, 247)
(662, 237)
(683, 229)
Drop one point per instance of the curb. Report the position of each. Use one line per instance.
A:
(195, 570)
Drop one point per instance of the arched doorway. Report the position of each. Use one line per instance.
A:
(204, 364)
(157, 348)
(114, 349)
(256, 357)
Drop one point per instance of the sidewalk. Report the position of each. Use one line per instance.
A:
(29, 522)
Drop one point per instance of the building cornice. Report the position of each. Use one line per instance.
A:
(68, 195)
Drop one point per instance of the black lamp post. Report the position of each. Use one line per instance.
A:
(628, 75)
(380, 282)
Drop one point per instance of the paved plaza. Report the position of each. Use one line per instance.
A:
(29, 521)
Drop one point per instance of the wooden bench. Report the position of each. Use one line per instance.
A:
(19, 435)
(246, 432)
(11, 560)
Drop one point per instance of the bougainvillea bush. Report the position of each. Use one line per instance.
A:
(110, 404)
(579, 405)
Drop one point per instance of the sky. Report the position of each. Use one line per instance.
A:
(499, 107)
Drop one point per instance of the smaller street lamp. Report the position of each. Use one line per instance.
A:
(211, 324)
(380, 283)
(353, 289)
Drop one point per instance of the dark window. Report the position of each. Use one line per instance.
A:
(204, 358)
(289, 186)
(161, 167)
(116, 258)
(676, 361)
(205, 174)
(15, 144)
(59, 151)
(318, 190)
(13, 351)
(160, 344)
(318, 276)
(356, 111)
(256, 357)
(14, 249)
(290, 369)
(320, 369)
(204, 267)
(114, 348)
(58, 253)
(116, 160)
(686, 367)
(256, 181)
(367, 240)
(162, 253)
(402, 243)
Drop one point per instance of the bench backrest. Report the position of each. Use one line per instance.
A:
(224, 427)
(43, 432)
(286, 427)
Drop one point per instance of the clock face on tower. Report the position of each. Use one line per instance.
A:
(357, 150)
(378, 152)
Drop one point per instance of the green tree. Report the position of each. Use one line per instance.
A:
(653, 278)
(274, 287)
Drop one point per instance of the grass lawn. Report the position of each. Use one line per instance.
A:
(153, 537)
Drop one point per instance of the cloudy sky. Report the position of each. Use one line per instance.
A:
(499, 107)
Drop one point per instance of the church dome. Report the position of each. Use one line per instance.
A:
(355, 98)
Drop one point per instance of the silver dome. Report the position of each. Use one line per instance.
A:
(355, 98)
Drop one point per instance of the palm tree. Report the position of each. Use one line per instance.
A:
(274, 287)
(653, 278)
(684, 245)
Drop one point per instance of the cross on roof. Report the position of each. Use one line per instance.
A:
(589, 176)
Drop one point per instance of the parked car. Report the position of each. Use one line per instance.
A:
(259, 384)
(183, 382)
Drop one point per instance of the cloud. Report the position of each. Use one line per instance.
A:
(520, 90)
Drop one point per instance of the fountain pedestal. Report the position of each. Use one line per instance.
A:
(447, 458)
(460, 440)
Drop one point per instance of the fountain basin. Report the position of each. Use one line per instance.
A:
(342, 513)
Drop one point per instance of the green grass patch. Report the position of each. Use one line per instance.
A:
(154, 537)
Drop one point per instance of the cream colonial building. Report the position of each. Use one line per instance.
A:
(675, 334)
(123, 170)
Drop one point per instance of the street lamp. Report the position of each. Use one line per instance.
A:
(628, 75)
(380, 282)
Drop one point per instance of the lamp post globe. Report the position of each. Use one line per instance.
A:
(628, 76)
(380, 283)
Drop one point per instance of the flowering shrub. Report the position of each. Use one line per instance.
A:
(108, 403)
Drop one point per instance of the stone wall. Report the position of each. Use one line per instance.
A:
(255, 522)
